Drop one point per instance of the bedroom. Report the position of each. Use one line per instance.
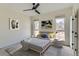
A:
(49, 13)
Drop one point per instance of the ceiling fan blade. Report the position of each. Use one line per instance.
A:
(37, 11)
(33, 3)
(28, 9)
(36, 6)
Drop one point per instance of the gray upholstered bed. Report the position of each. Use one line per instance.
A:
(38, 45)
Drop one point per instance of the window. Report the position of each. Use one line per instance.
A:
(36, 25)
(36, 28)
(60, 24)
(60, 33)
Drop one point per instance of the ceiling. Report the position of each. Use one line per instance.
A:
(43, 8)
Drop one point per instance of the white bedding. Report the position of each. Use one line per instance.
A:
(38, 45)
(38, 42)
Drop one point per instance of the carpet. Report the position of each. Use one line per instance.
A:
(51, 51)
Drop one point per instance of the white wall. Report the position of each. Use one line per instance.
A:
(8, 36)
(66, 12)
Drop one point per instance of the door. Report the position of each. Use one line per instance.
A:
(75, 34)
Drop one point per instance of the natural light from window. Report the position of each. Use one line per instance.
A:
(60, 33)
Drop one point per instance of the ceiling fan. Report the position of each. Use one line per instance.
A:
(35, 6)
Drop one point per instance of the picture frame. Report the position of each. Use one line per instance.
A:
(46, 24)
(13, 24)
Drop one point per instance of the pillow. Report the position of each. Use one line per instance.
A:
(58, 44)
(13, 49)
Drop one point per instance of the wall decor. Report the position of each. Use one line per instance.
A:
(46, 24)
(14, 24)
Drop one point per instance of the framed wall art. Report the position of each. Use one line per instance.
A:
(46, 24)
(13, 24)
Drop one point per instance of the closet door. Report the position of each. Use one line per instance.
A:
(78, 32)
(75, 34)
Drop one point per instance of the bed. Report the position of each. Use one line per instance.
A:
(38, 45)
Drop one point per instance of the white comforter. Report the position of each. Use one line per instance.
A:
(38, 45)
(38, 42)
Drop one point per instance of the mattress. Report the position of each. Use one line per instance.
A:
(38, 42)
